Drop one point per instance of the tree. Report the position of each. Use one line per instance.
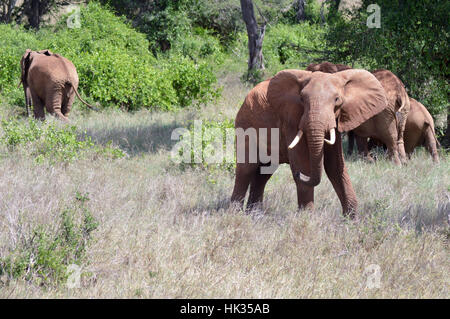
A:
(299, 6)
(7, 7)
(412, 42)
(33, 10)
(255, 35)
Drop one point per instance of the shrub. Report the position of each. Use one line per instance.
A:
(201, 44)
(14, 41)
(191, 88)
(113, 62)
(48, 142)
(43, 256)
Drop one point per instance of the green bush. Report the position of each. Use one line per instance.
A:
(113, 61)
(312, 13)
(412, 42)
(43, 256)
(189, 86)
(200, 45)
(293, 45)
(48, 142)
(13, 43)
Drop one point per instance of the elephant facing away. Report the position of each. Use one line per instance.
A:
(309, 111)
(387, 126)
(50, 81)
(419, 130)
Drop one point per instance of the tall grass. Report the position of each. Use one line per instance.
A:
(164, 232)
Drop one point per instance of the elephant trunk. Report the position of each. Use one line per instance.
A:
(315, 139)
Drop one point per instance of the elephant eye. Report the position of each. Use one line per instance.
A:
(338, 101)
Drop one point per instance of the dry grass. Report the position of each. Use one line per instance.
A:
(170, 233)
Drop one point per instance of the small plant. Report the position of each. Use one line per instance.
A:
(52, 143)
(43, 256)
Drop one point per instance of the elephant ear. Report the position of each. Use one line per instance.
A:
(285, 87)
(46, 52)
(25, 64)
(364, 97)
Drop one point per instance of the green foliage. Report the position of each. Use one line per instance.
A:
(293, 45)
(200, 45)
(412, 42)
(14, 41)
(113, 62)
(312, 13)
(44, 255)
(191, 88)
(212, 144)
(48, 142)
(222, 17)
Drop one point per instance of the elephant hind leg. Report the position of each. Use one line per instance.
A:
(244, 175)
(430, 142)
(54, 105)
(363, 148)
(38, 107)
(67, 104)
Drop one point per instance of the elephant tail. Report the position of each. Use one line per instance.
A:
(79, 97)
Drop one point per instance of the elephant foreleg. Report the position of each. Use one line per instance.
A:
(305, 195)
(339, 178)
(401, 122)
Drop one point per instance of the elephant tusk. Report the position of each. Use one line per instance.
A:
(296, 139)
(304, 178)
(332, 137)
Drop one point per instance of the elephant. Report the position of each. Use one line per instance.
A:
(387, 126)
(327, 67)
(296, 104)
(420, 130)
(51, 81)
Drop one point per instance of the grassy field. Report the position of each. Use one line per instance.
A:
(167, 232)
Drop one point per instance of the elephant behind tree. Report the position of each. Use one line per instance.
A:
(50, 81)
(305, 108)
(387, 126)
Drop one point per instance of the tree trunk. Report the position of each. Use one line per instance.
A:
(300, 6)
(446, 139)
(255, 35)
(11, 6)
(7, 10)
(35, 17)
